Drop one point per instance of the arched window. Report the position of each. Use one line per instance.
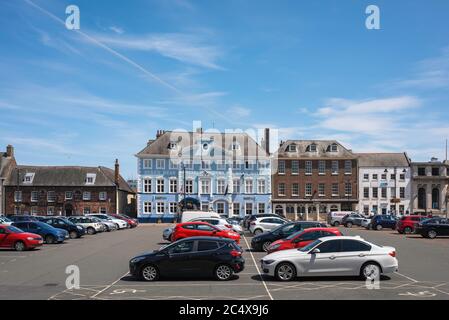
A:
(435, 198)
(334, 208)
(290, 209)
(279, 210)
(422, 203)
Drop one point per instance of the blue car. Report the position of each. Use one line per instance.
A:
(383, 221)
(47, 232)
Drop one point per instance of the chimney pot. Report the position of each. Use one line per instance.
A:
(117, 172)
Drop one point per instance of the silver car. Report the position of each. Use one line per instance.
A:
(109, 225)
(265, 224)
(166, 234)
(91, 226)
(332, 256)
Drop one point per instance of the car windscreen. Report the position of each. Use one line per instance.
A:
(310, 246)
(14, 229)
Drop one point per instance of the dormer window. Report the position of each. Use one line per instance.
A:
(291, 148)
(205, 146)
(90, 178)
(172, 145)
(311, 148)
(334, 147)
(235, 146)
(28, 178)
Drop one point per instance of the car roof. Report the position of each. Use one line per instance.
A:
(209, 238)
(194, 222)
(342, 238)
(320, 229)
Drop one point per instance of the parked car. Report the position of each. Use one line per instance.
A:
(252, 217)
(187, 216)
(88, 223)
(235, 225)
(5, 221)
(198, 229)
(196, 256)
(119, 223)
(19, 218)
(265, 224)
(352, 219)
(407, 224)
(366, 223)
(334, 218)
(220, 223)
(132, 223)
(47, 232)
(63, 223)
(14, 238)
(332, 256)
(262, 241)
(108, 225)
(303, 238)
(166, 234)
(382, 221)
(432, 228)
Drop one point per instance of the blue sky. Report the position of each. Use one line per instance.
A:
(307, 68)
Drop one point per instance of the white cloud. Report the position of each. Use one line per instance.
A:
(116, 29)
(239, 112)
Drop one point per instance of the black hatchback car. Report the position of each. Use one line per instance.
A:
(190, 257)
(262, 241)
(433, 227)
(74, 230)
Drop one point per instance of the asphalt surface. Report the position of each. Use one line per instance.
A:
(103, 263)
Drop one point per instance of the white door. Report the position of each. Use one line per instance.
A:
(326, 262)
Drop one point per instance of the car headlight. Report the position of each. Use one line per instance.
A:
(136, 260)
(274, 247)
(30, 238)
(267, 261)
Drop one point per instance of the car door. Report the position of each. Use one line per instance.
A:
(177, 260)
(305, 238)
(353, 254)
(357, 219)
(34, 228)
(205, 257)
(204, 230)
(3, 237)
(325, 262)
(443, 228)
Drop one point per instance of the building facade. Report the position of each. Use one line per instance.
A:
(7, 163)
(312, 178)
(66, 191)
(228, 173)
(384, 183)
(430, 187)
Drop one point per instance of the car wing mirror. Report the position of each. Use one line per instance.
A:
(315, 251)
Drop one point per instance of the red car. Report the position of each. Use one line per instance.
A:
(198, 229)
(131, 221)
(14, 238)
(407, 224)
(302, 238)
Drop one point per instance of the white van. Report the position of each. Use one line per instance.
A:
(334, 218)
(190, 215)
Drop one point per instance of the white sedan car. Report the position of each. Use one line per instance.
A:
(332, 256)
(265, 224)
(220, 223)
(120, 224)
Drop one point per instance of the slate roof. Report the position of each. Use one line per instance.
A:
(383, 159)
(66, 176)
(187, 140)
(323, 150)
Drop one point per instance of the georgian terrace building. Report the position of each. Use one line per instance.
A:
(229, 173)
(311, 178)
(384, 183)
(430, 187)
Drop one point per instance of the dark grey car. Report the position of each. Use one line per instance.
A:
(353, 219)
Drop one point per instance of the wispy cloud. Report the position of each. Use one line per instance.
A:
(117, 30)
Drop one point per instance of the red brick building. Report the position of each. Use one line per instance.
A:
(312, 178)
(67, 191)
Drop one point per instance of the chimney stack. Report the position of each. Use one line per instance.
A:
(9, 151)
(159, 133)
(117, 172)
(266, 140)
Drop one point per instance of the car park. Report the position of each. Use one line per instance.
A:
(192, 257)
(303, 238)
(262, 241)
(119, 223)
(5, 221)
(434, 227)
(265, 224)
(17, 239)
(382, 221)
(47, 232)
(220, 223)
(334, 218)
(332, 256)
(74, 230)
(193, 229)
(407, 224)
(88, 223)
(19, 218)
(352, 219)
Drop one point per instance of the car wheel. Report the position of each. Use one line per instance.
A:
(118, 227)
(285, 271)
(50, 239)
(378, 227)
(257, 231)
(266, 245)
(90, 230)
(223, 272)
(432, 234)
(73, 235)
(19, 246)
(370, 271)
(349, 225)
(149, 273)
(336, 224)
(407, 230)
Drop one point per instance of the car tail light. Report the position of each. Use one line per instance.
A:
(253, 223)
(393, 254)
(228, 226)
(235, 253)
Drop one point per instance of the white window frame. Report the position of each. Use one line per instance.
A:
(173, 185)
(321, 189)
(308, 168)
(261, 186)
(205, 186)
(335, 167)
(17, 196)
(160, 205)
(221, 186)
(295, 167)
(102, 196)
(281, 189)
(322, 167)
(281, 167)
(160, 164)
(87, 196)
(160, 187)
(147, 185)
(236, 186)
(189, 186)
(147, 207)
(90, 178)
(249, 186)
(147, 163)
(173, 207)
(34, 196)
(335, 187)
(295, 193)
(308, 190)
(51, 199)
(70, 197)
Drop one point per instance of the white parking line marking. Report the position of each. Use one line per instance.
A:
(258, 271)
(100, 292)
(406, 277)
